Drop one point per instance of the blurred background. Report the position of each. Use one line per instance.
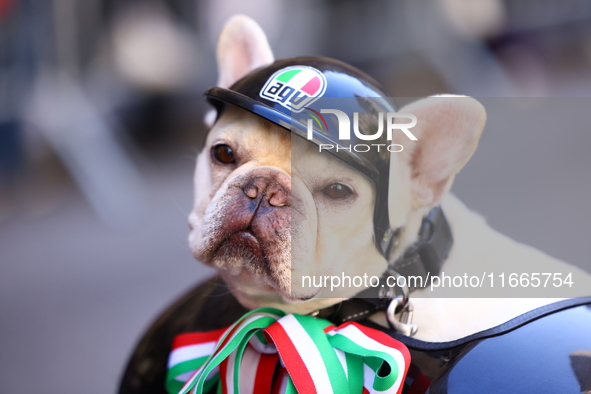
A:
(101, 118)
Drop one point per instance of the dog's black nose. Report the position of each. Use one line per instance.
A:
(268, 189)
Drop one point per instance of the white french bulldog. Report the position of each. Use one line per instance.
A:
(264, 220)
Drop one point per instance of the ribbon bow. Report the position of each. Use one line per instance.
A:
(267, 351)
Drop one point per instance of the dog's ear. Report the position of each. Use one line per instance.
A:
(242, 47)
(448, 129)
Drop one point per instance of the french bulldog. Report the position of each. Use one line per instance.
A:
(263, 220)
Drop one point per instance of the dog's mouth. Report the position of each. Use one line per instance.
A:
(246, 239)
(242, 249)
(256, 270)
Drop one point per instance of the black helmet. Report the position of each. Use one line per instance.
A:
(286, 92)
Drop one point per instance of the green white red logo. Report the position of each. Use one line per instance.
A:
(294, 87)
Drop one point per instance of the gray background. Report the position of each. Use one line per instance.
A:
(86, 266)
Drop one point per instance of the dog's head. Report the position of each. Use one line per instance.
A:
(270, 208)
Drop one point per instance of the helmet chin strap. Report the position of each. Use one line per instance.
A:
(419, 262)
(427, 254)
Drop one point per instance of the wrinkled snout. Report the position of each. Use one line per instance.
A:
(250, 222)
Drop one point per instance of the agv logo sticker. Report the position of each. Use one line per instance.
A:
(295, 87)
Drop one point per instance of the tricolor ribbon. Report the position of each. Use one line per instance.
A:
(267, 351)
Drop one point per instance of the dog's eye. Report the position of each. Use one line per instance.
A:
(337, 191)
(224, 154)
